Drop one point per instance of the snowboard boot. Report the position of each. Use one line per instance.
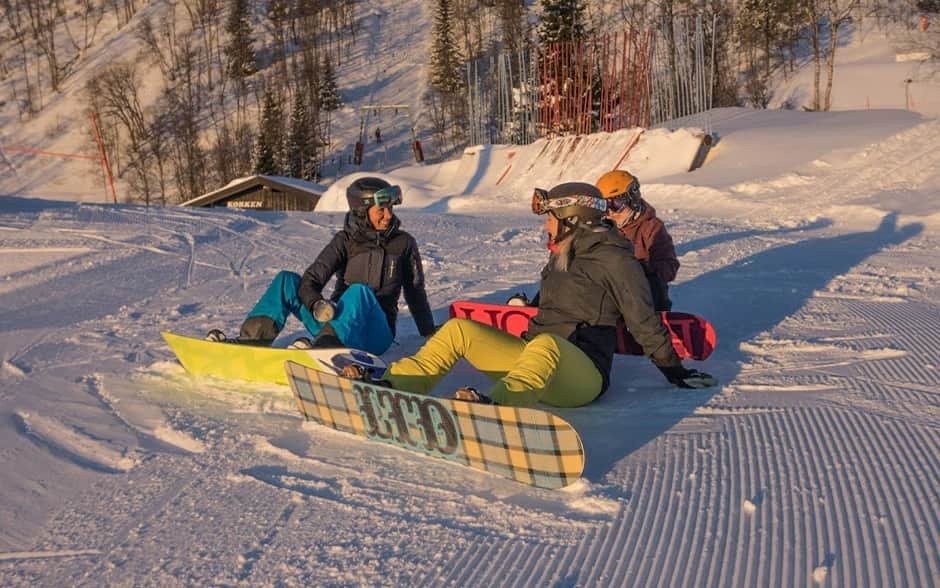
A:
(258, 330)
(301, 343)
(326, 338)
(470, 394)
(217, 336)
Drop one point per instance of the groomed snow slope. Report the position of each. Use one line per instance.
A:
(813, 464)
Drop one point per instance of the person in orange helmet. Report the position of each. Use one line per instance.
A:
(636, 220)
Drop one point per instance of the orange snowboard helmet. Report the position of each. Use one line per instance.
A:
(621, 189)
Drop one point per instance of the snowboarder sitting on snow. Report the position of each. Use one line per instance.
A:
(565, 357)
(373, 260)
(636, 220)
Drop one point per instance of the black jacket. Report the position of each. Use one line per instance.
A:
(603, 282)
(387, 262)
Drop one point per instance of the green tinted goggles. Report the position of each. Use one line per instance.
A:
(384, 198)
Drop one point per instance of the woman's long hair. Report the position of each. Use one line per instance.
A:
(561, 257)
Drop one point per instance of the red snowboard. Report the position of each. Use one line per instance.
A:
(692, 336)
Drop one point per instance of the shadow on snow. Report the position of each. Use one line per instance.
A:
(743, 299)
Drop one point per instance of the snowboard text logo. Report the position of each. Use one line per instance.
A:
(510, 319)
(422, 423)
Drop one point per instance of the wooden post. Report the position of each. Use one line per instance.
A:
(702, 152)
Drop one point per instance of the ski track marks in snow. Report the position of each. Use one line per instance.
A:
(22, 555)
(86, 450)
(76, 446)
(842, 447)
(142, 417)
(777, 497)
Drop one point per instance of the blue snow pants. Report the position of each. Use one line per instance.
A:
(359, 321)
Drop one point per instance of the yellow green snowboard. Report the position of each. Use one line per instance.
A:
(232, 361)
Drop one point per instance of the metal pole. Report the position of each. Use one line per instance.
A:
(104, 158)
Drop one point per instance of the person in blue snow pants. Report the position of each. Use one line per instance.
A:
(358, 321)
(374, 262)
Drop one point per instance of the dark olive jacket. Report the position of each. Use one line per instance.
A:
(603, 282)
(386, 262)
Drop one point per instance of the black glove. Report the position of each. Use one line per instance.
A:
(686, 378)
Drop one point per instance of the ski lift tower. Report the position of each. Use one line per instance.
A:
(375, 111)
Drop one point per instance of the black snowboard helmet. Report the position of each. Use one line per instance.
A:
(368, 191)
(573, 203)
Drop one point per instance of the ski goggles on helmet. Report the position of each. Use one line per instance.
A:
(542, 204)
(384, 198)
(627, 200)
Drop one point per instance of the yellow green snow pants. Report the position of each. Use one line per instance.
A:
(547, 369)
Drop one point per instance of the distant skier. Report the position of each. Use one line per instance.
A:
(373, 261)
(564, 359)
(636, 220)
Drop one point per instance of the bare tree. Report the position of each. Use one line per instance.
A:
(42, 16)
(90, 15)
(161, 43)
(15, 17)
(114, 96)
(123, 10)
(277, 18)
(836, 13)
(205, 22)
(184, 100)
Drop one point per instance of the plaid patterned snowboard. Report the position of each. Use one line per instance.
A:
(523, 444)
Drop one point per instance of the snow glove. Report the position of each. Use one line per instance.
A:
(323, 310)
(687, 378)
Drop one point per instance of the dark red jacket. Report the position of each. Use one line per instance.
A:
(652, 244)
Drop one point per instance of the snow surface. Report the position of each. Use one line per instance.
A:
(813, 463)
(809, 239)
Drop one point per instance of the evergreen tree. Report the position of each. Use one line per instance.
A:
(328, 93)
(269, 150)
(445, 76)
(239, 53)
(562, 20)
(302, 160)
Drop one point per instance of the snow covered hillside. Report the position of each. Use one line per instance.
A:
(385, 64)
(810, 240)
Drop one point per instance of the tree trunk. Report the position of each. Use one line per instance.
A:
(831, 60)
(817, 65)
